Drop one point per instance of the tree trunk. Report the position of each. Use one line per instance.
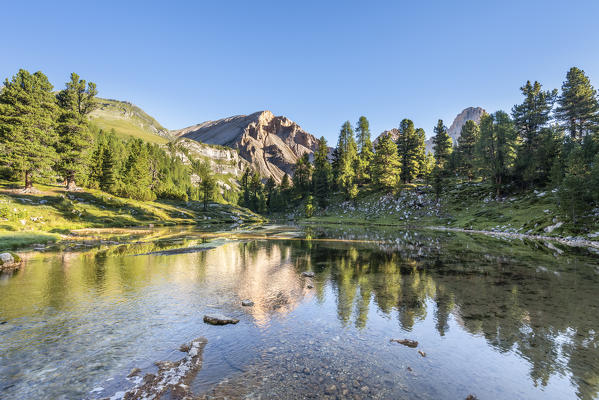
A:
(71, 181)
(28, 182)
(498, 183)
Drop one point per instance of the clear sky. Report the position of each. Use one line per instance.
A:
(319, 63)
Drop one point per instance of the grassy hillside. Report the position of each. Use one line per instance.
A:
(128, 120)
(54, 214)
(467, 206)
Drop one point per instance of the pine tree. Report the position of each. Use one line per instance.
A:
(411, 148)
(530, 118)
(285, 182)
(465, 151)
(575, 194)
(309, 210)
(76, 101)
(386, 164)
(578, 108)
(27, 125)
(302, 175)
(137, 179)
(442, 145)
(421, 153)
(245, 187)
(107, 179)
(496, 148)
(207, 188)
(96, 162)
(428, 166)
(256, 191)
(365, 154)
(323, 174)
(347, 154)
(270, 188)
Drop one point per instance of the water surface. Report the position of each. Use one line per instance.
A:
(496, 318)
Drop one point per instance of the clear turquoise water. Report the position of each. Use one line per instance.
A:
(499, 319)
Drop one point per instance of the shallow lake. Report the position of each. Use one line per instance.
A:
(494, 318)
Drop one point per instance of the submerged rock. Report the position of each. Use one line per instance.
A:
(308, 274)
(247, 303)
(218, 319)
(406, 342)
(172, 377)
(422, 353)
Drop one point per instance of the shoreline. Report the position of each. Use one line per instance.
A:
(562, 240)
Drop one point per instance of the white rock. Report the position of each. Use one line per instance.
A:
(6, 258)
(551, 228)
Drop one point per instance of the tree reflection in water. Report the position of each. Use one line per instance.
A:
(528, 297)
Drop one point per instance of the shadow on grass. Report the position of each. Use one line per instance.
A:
(21, 239)
(117, 212)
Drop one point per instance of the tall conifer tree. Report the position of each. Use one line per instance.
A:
(28, 113)
(496, 148)
(323, 174)
(441, 144)
(530, 119)
(410, 145)
(347, 154)
(365, 154)
(578, 108)
(386, 164)
(465, 151)
(76, 101)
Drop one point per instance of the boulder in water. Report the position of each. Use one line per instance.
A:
(218, 319)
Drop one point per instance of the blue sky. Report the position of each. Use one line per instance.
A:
(319, 63)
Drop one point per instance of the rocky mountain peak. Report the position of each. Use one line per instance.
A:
(468, 114)
(271, 144)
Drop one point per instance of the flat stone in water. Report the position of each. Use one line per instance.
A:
(308, 274)
(406, 342)
(247, 303)
(218, 319)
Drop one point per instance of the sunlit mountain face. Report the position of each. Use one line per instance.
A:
(493, 318)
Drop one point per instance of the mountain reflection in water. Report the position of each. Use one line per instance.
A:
(497, 318)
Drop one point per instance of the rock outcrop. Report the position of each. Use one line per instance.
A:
(393, 132)
(470, 113)
(223, 161)
(455, 129)
(271, 144)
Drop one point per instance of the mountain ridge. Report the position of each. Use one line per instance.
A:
(127, 119)
(271, 144)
